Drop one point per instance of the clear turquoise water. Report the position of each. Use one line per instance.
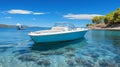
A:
(99, 48)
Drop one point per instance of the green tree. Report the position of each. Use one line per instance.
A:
(88, 25)
(98, 19)
(117, 16)
(113, 17)
(109, 18)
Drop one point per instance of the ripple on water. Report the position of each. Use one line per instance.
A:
(80, 53)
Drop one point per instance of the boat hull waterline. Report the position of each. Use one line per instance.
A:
(58, 37)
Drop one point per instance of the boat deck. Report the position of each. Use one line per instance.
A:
(48, 31)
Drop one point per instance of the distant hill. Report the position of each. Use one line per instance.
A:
(7, 26)
(14, 26)
(10, 26)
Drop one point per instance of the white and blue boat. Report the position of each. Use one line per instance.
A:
(59, 32)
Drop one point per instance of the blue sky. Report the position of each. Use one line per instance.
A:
(47, 12)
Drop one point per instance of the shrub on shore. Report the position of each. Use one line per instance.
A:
(110, 19)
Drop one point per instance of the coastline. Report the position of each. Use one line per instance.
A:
(115, 28)
(104, 27)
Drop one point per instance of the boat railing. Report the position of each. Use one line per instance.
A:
(69, 26)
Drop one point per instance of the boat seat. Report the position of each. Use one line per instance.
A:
(50, 31)
(60, 28)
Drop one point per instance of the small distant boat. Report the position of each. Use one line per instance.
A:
(59, 32)
(20, 27)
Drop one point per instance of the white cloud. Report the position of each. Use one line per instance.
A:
(38, 13)
(8, 17)
(81, 16)
(19, 11)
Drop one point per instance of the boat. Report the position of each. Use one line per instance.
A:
(19, 26)
(59, 32)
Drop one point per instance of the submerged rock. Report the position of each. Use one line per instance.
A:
(117, 51)
(91, 54)
(117, 59)
(78, 60)
(70, 48)
(85, 63)
(58, 52)
(118, 64)
(27, 58)
(88, 65)
(70, 63)
(52, 53)
(46, 53)
(69, 55)
(107, 63)
(43, 62)
(102, 52)
(103, 63)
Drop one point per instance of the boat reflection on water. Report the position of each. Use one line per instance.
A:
(54, 45)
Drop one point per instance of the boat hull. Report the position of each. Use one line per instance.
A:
(58, 37)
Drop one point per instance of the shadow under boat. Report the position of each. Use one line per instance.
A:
(54, 45)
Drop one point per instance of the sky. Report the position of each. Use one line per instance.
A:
(45, 13)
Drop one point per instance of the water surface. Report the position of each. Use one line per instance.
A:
(99, 48)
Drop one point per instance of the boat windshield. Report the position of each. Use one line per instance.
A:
(69, 25)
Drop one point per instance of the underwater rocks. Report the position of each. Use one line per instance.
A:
(43, 62)
(88, 56)
(70, 63)
(27, 57)
(58, 52)
(52, 53)
(79, 60)
(91, 54)
(117, 51)
(88, 65)
(117, 59)
(107, 63)
(94, 55)
(69, 54)
(70, 49)
(83, 62)
(46, 53)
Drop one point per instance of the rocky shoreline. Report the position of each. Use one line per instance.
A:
(114, 27)
(105, 28)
